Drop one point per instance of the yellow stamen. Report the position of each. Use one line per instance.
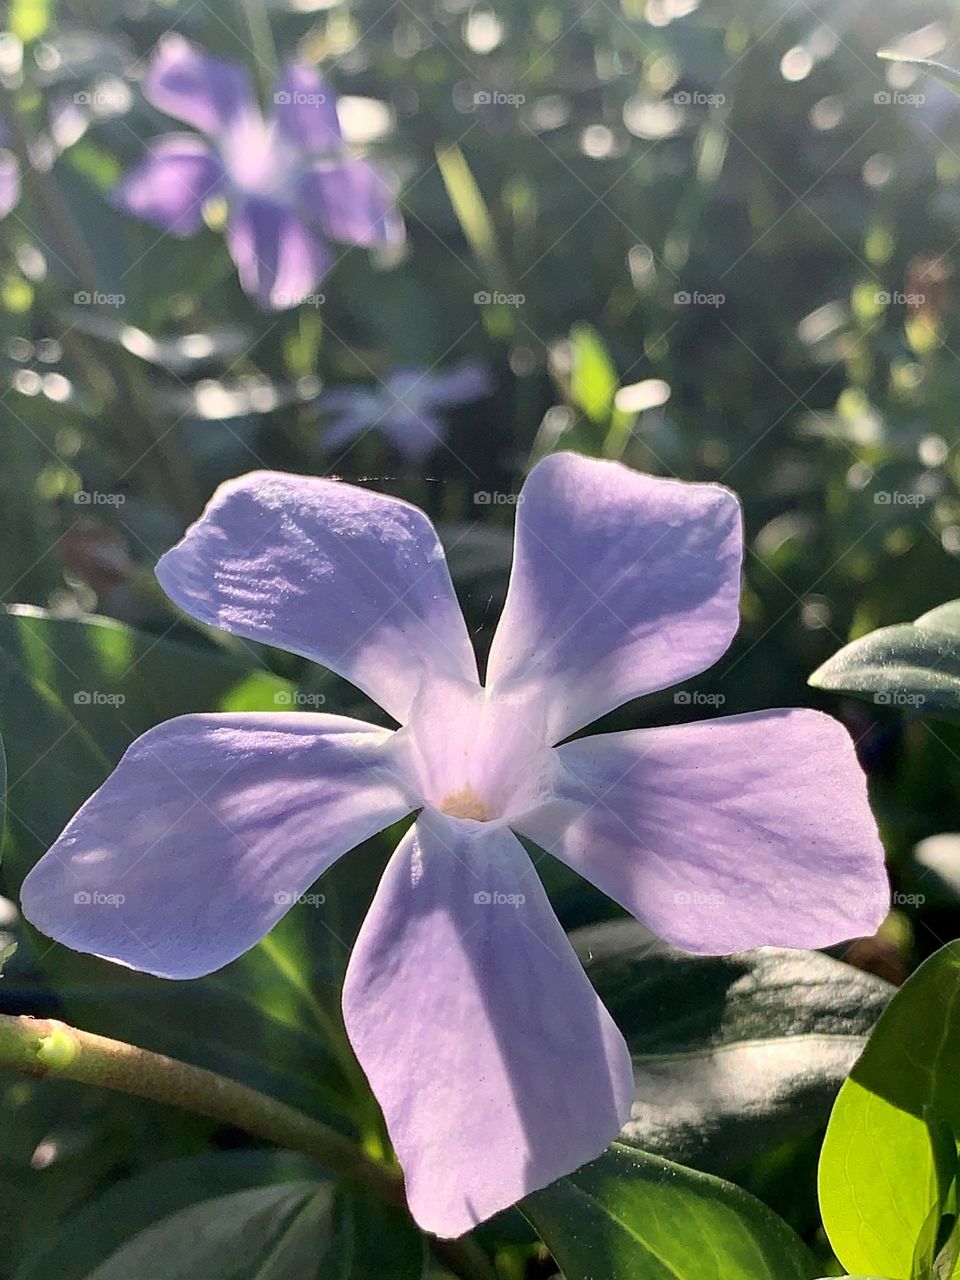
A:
(465, 803)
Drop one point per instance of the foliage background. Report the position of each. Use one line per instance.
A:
(753, 156)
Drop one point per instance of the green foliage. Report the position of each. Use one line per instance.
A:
(633, 1216)
(732, 1055)
(915, 665)
(888, 1167)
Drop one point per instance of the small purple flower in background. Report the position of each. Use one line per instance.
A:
(496, 1065)
(405, 408)
(9, 177)
(288, 180)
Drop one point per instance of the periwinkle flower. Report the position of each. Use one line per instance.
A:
(496, 1065)
(288, 180)
(407, 407)
(9, 176)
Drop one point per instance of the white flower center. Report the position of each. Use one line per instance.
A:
(475, 754)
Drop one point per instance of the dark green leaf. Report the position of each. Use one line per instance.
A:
(731, 1054)
(634, 1216)
(269, 1233)
(913, 666)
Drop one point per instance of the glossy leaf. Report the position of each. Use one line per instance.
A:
(73, 694)
(272, 1217)
(913, 666)
(731, 1054)
(634, 1216)
(276, 1232)
(884, 1178)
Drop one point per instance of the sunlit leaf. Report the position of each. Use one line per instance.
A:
(634, 1216)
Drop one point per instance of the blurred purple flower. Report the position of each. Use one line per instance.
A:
(9, 176)
(497, 1067)
(288, 180)
(406, 407)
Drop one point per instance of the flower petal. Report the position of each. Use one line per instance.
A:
(747, 831)
(352, 579)
(461, 383)
(170, 184)
(354, 203)
(305, 108)
(278, 259)
(496, 1065)
(622, 583)
(206, 91)
(207, 832)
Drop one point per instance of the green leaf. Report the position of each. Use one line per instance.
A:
(165, 1225)
(946, 75)
(260, 1019)
(913, 665)
(883, 1183)
(127, 1207)
(732, 1054)
(269, 1233)
(634, 1216)
(593, 377)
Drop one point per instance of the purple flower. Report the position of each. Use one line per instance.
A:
(497, 1067)
(9, 177)
(406, 408)
(288, 180)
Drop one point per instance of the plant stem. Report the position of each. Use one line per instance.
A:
(43, 1047)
